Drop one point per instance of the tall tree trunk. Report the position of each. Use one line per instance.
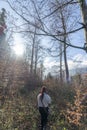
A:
(65, 55)
(32, 56)
(66, 64)
(83, 7)
(36, 58)
(61, 76)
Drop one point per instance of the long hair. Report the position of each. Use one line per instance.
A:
(43, 89)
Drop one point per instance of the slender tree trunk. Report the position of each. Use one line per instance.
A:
(32, 56)
(65, 55)
(36, 58)
(41, 71)
(61, 76)
(66, 64)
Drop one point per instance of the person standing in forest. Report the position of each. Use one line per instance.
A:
(43, 101)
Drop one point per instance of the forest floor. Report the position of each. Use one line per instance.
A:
(19, 111)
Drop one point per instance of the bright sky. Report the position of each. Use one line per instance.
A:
(18, 47)
(74, 54)
(86, 1)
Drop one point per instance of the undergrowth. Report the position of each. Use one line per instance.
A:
(20, 112)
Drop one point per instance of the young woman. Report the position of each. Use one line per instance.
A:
(43, 100)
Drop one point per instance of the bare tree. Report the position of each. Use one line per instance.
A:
(45, 13)
(65, 38)
(60, 24)
(32, 56)
(43, 17)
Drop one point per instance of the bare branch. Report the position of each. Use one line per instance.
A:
(65, 4)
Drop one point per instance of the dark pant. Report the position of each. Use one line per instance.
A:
(44, 115)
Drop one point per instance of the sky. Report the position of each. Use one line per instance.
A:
(76, 57)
